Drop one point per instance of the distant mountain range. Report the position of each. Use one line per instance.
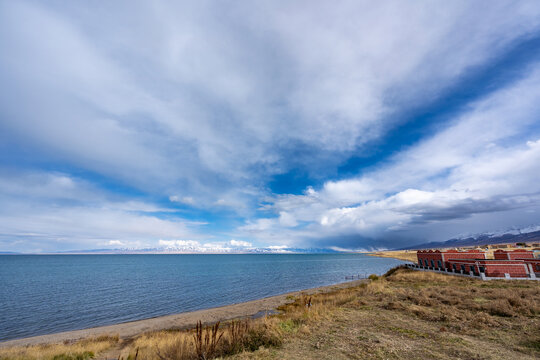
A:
(530, 234)
(482, 239)
(188, 250)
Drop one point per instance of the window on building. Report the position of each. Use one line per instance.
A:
(482, 269)
(463, 268)
(432, 263)
(439, 263)
(425, 262)
(454, 267)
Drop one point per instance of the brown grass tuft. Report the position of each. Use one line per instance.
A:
(77, 350)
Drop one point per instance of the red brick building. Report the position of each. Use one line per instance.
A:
(507, 264)
(491, 268)
(534, 265)
(437, 259)
(513, 254)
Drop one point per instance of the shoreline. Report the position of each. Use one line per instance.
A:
(184, 320)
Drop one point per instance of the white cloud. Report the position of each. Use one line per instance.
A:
(180, 244)
(287, 219)
(54, 211)
(240, 243)
(219, 103)
(195, 246)
(208, 101)
(481, 166)
(259, 225)
(188, 200)
(277, 247)
(115, 242)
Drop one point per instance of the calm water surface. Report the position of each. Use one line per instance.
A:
(43, 294)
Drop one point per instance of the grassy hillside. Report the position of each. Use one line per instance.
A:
(403, 315)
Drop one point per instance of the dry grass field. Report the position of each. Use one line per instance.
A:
(406, 255)
(84, 349)
(402, 315)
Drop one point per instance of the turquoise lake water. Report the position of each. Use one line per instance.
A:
(43, 294)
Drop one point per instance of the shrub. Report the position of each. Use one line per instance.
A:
(288, 325)
(258, 338)
(212, 342)
(500, 307)
(206, 342)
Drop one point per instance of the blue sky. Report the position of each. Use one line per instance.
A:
(225, 124)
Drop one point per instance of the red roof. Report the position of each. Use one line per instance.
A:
(509, 251)
(451, 251)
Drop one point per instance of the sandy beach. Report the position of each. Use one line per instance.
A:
(177, 321)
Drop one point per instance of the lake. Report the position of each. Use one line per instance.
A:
(43, 294)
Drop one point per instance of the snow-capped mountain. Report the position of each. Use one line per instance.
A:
(515, 235)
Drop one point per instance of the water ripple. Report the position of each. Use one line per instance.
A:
(51, 293)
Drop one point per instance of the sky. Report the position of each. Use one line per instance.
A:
(236, 124)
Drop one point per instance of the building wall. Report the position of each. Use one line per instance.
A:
(471, 254)
(517, 270)
(493, 268)
(513, 255)
(535, 264)
(444, 256)
(472, 260)
(430, 256)
(463, 264)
